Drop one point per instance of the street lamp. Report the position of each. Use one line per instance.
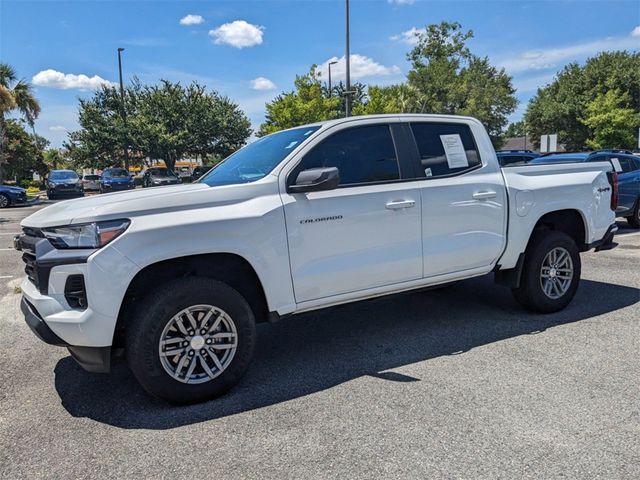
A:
(123, 111)
(347, 99)
(330, 63)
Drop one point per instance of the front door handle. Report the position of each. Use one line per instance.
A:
(396, 205)
(485, 195)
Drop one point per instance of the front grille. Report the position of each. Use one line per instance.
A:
(75, 291)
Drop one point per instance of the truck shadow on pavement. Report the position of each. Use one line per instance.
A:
(316, 351)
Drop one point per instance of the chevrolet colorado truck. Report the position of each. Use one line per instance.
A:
(307, 218)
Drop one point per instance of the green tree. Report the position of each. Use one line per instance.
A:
(15, 95)
(612, 123)
(389, 99)
(22, 151)
(307, 103)
(515, 129)
(165, 121)
(561, 106)
(446, 77)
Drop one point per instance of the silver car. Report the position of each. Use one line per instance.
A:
(91, 182)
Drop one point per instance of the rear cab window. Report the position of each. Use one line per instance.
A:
(445, 149)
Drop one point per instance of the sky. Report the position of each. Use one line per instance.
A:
(252, 50)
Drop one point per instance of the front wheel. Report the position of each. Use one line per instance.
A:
(5, 201)
(550, 274)
(191, 340)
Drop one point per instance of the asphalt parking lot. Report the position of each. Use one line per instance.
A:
(452, 383)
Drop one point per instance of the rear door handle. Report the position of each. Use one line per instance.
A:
(396, 205)
(485, 195)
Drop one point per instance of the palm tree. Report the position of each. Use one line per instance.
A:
(14, 95)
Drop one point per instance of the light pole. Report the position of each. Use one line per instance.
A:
(123, 111)
(330, 91)
(347, 99)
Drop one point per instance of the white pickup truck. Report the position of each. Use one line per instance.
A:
(301, 220)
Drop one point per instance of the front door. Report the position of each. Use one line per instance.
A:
(364, 234)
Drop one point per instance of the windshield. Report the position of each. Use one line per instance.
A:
(92, 177)
(162, 172)
(63, 175)
(116, 172)
(257, 159)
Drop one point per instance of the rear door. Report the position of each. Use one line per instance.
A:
(367, 232)
(463, 199)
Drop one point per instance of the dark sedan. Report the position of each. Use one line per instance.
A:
(64, 183)
(12, 196)
(157, 176)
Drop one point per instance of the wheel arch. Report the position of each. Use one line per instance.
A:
(230, 268)
(569, 221)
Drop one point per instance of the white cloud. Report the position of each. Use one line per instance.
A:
(554, 57)
(191, 20)
(65, 81)
(361, 67)
(636, 32)
(410, 37)
(262, 83)
(402, 2)
(57, 128)
(238, 34)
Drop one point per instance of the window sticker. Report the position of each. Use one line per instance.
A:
(427, 172)
(454, 150)
(616, 165)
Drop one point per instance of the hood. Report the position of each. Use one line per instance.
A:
(139, 202)
(13, 189)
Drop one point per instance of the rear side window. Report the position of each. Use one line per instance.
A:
(362, 155)
(445, 148)
(628, 164)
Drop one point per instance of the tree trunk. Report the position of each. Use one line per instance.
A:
(2, 146)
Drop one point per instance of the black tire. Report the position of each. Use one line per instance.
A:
(634, 219)
(530, 293)
(156, 310)
(5, 201)
(51, 196)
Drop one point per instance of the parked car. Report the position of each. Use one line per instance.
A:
(628, 168)
(510, 157)
(157, 176)
(64, 183)
(183, 172)
(91, 182)
(11, 196)
(300, 220)
(114, 179)
(198, 172)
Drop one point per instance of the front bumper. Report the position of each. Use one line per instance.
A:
(92, 359)
(116, 187)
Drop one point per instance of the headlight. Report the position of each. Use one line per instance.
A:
(86, 235)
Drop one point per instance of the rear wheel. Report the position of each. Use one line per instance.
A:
(550, 274)
(191, 341)
(634, 219)
(51, 196)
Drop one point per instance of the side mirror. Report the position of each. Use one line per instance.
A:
(316, 180)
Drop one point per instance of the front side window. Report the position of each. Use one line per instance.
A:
(445, 148)
(258, 159)
(362, 155)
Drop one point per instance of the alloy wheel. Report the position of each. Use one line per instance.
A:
(556, 273)
(198, 344)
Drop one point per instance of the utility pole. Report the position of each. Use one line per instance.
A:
(347, 99)
(123, 111)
